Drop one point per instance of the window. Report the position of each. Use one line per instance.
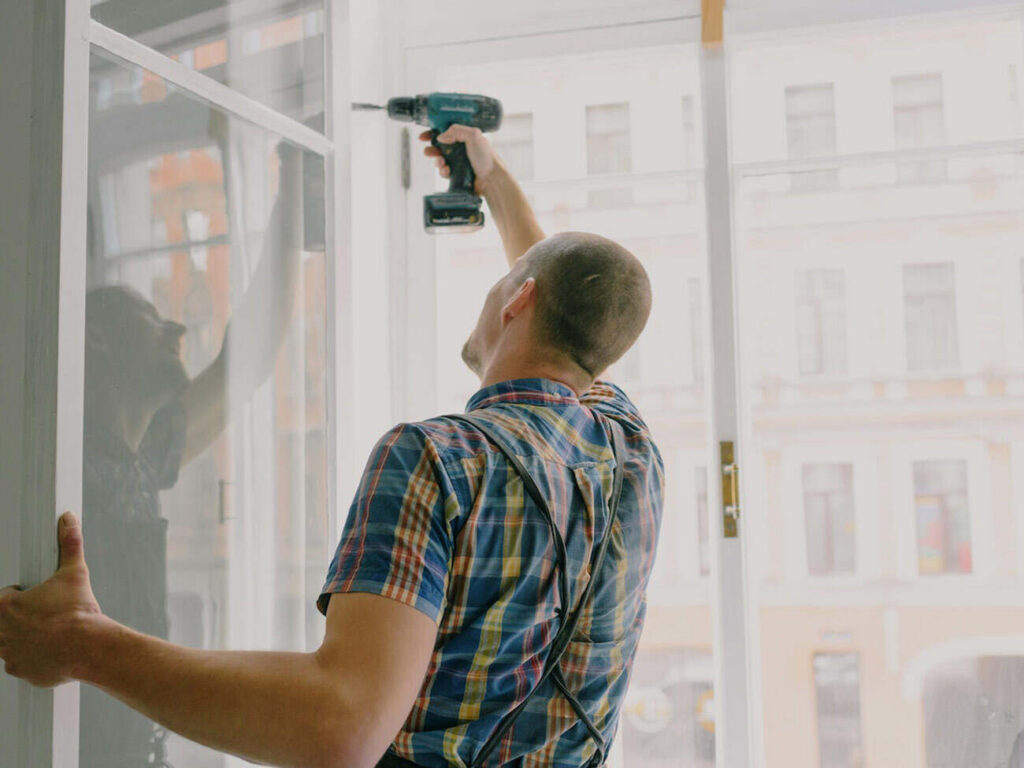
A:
(919, 121)
(700, 482)
(691, 159)
(829, 518)
(608, 148)
(810, 133)
(837, 689)
(943, 520)
(821, 321)
(514, 142)
(608, 151)
(1013, 82)
(929, 307)
(696, 332)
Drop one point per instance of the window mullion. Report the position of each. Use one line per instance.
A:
(729, 620)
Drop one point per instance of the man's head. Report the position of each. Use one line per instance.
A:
(574, 301)
(131, 348)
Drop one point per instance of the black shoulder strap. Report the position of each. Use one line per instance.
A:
(569, 622)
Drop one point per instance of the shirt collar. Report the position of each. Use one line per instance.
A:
(526, 391)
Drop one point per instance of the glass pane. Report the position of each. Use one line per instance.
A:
(514, 142)
(205, 485)
(270, 51)
(882, 358)
(580, 112)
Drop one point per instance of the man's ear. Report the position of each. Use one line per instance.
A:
(523, 298)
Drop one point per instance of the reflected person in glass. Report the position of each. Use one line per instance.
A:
(145, 419)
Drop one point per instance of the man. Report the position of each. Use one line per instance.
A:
(145, 419)
(442, 600)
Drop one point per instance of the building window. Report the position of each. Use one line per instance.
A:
(810, 133)
(943, 520)
(829, 518)
(929, 305)
(696, 332)
(837, 690)
(1014, 99)
(608, 151)
(821, 321)
(919, 121)
(690, 158)
(1022, 280)
(632, 364)
(700, 482)
(514, 143)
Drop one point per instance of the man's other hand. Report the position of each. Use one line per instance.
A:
(39, 627)
(481, 154)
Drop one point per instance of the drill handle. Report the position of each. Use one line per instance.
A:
(462, 177)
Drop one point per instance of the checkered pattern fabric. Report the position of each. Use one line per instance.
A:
(441, 522)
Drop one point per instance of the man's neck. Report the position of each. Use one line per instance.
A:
(498, 372)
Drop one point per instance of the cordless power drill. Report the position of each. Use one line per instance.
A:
(458, 209)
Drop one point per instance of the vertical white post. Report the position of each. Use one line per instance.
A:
(378, 218)
(342, 465)
(44, 58)
(728, 607)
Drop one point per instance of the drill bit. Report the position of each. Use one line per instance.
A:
(361, 105)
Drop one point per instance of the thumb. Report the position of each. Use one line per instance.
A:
(457, 132)
(69, 538)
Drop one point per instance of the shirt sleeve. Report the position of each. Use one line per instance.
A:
(164, 443)
(397, 540)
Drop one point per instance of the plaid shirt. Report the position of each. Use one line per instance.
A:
(440, 523)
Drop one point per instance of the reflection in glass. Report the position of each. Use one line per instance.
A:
(204, 476)
(837, 689)
(270, 51)
(668, 718)
(973, 712)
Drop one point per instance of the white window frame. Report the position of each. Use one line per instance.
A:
(43, 728)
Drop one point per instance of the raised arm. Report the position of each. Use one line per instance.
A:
(516, 221)
(258, 327)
